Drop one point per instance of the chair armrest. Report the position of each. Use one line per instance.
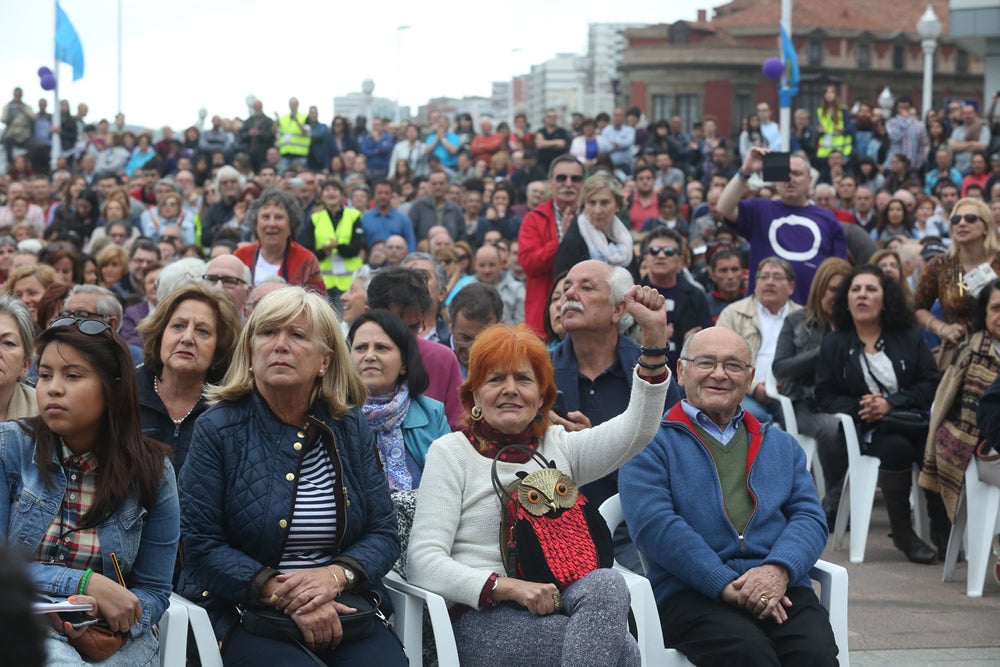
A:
(201, 627)
(833, 582)
(409, 620)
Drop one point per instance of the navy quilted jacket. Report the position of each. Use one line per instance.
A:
(237, 488)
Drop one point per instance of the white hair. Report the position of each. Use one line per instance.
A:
(177, 273)
(619, 282)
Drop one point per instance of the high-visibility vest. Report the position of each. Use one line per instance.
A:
(338, 272)
(291, 140)
(834, 138)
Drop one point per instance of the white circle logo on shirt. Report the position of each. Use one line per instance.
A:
(790, 254)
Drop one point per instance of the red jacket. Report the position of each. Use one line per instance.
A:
(300, 267)
(537, 243)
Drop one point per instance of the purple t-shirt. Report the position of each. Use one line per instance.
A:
(801, 235)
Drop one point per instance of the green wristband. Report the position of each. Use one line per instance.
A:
(84, 580)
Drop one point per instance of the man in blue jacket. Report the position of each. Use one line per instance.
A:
(729, 520)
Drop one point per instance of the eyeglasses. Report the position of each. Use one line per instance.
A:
(228, 281)
(669, 251)
(709, 364)
(776, 277)
(81, 314)
(970, 218)
(86, 326)
(562, 178)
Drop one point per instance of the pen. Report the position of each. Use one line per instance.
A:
(118, 570)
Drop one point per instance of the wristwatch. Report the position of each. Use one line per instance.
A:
(348, 576)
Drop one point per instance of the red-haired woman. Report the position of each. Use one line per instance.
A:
(454, 548)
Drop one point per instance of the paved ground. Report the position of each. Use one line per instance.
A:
(903, 614)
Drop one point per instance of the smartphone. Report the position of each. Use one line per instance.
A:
(78, 619)
(777, 167)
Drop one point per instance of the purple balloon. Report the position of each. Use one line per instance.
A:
(44, 71)
(48, 81)
(773, 68)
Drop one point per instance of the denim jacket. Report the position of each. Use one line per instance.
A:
(144, 540)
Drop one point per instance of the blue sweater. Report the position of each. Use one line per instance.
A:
(673, 504)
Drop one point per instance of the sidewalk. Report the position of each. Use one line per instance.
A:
(901, 613)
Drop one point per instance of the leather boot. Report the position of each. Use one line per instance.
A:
(896, 491)
(940, 524)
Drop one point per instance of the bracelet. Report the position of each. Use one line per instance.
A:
(84, 580)
(939, 328)
(336, 579)
(743, 177)
(654, 351)
(651, 367)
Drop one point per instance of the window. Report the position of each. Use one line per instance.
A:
(898, 57)
(815, 54)
(962, 61)
(864, 53)
(685, 106)
(743, 106)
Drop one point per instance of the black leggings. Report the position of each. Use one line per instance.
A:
(895, 451)
(380, 648)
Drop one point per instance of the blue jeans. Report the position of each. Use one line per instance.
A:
(141, 651)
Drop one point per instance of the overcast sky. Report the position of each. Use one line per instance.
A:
(179, 56)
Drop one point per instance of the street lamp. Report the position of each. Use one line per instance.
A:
(399, 66)
(929, 29)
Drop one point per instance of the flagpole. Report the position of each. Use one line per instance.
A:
(119, 56)
(56, 148)
(785, 111)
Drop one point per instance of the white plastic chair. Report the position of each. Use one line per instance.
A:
(978, 520)
(408, 605)
(832, 580)
(859, 494)
(807, 442)
(173, 634)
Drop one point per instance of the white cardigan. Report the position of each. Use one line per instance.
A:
(455, 540)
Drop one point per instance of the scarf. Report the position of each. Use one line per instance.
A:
(616, 250)
(488, 441)
(385, 415)
(954, 431)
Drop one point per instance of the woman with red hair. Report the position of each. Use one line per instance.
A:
(454, 549)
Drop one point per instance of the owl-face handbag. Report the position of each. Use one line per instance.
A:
(549, 532)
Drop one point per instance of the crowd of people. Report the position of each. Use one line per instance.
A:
(233, 349)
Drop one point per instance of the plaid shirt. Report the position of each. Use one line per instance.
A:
(63, 542)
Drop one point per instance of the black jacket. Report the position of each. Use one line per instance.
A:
(573, 249)
(690, 309)
(796, 356)
(840, 382)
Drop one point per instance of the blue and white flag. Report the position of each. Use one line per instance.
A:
(69, 49)
(789, 85)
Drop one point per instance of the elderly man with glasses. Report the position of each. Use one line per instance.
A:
(758, 319)
(728, 518)
(233, 276)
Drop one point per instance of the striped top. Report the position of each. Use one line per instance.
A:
(312, 536)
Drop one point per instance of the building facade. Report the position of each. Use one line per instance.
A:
(699, 68)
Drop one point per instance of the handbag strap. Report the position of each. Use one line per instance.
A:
(498, 486)
(864, 356)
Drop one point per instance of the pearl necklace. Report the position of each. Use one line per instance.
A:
(177, 422)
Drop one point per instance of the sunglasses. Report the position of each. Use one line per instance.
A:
(970, 218)
(669, 251)
(228, 281)
(562, 178)
(84, 326)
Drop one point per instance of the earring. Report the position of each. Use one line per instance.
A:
(322, 371)
(476, 412)
(251, 370)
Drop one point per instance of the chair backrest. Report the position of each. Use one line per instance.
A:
(611, 512)
(787, 409)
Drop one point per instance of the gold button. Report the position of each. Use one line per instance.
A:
(290, 477)
(300, 434)
(204, 594)
(297, 446)
(283, 523)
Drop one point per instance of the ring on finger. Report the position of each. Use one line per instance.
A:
(557, 600)
(764, 599)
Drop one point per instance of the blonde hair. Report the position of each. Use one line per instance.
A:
(340, 388)
(990, 243)
(601, 181)
(46, 276)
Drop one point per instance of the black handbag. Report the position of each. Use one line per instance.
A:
(270, 622)
(910, 423)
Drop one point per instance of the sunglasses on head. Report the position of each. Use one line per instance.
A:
(970, 218)
(84, 326)
(669, 251)
(562, 178)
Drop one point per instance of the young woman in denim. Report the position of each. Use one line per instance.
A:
(103, 489)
